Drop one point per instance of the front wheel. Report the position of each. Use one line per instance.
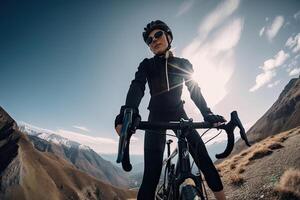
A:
(190, 192)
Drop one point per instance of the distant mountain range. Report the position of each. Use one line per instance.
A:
(82, 156)
(27, 173)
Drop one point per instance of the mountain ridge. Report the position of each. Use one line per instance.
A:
(284, 115)
(27, 173)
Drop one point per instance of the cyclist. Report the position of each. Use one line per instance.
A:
(165, 75)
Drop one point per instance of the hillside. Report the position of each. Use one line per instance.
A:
(81, 156)
(283, 115)
(26, 173)
(255, 172)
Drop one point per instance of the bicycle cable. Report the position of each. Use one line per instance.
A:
(206, 142)
(214, 137)
(205, 132)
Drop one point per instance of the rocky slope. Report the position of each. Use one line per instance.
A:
(83, 157)
(255, 172)
(26, 173)
(283, 115)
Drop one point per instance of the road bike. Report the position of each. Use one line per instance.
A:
(179, 181)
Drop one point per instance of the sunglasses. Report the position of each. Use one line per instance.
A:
(157, 35)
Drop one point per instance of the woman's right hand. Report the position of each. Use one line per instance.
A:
(118, 129)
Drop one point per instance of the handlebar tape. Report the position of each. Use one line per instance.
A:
(230, 141)
(239, 124)
(126, 159)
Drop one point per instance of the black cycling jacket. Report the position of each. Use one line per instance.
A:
(165, 79)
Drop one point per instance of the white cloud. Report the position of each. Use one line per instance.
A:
(269, 70)
(297, 15)
(82, 128)
(262, 79)
(270, 85)
(278, 60)
(294, 72)
(84, 139)
(212, 54)
(293, 63)
(184, 7)
(272, 30)
(261, 32)
(293, 43)
(218, 15)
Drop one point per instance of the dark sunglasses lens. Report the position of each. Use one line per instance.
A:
(149, 40)
(158, 34)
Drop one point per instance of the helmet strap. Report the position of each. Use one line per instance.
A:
(169, 43)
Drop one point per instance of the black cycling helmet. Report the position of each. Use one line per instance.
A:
(157, 25)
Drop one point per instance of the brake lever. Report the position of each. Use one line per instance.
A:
(123, 141)
(238, 122)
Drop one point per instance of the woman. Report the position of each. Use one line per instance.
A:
(165, 75)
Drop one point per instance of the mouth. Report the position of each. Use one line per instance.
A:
(156, 46)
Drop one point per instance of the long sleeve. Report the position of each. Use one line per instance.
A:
(194, 89)
(137, 87)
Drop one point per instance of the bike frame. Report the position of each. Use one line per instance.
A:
(182, 171)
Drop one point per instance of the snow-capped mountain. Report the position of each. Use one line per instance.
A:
(49, 136)
(82, 156)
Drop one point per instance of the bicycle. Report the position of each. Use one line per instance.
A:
(178, 175)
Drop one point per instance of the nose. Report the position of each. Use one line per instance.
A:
(154, 39)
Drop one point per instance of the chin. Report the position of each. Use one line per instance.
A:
(159, 52)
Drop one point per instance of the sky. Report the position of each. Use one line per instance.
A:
(66, 66)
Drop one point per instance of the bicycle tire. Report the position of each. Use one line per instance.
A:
(190, 192)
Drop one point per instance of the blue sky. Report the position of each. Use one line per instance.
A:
(66, 66)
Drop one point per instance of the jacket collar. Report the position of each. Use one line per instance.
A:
(162, 56)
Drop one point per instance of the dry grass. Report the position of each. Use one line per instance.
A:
(260, 153)
(231, 168)
(289, 185)
(241, 170)
(275, 146)
(236, 180)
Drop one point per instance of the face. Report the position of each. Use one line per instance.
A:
(158, 45)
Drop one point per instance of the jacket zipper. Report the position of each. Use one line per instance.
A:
(166, 70)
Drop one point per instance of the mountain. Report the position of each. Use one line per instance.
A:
(259, 172)
(283, 115)
(26, 173)
(83, 157)
(270, 168)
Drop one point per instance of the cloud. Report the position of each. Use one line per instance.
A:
(218, 15)
(278, 60)
(262, 79)
(270, 85)
(184, 7)
(261, 32)
(272, 31)
(293, 43)
(212, 53)
(82, 128)
(269, 70)
(294, 72)
(297, 15)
